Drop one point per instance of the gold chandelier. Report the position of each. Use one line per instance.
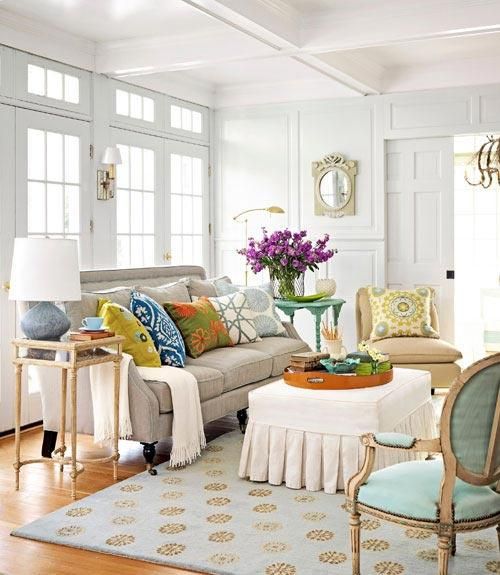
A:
(484, 165)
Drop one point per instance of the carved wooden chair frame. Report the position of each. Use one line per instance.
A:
(445, 527)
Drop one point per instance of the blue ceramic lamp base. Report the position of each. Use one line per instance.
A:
(45, 321)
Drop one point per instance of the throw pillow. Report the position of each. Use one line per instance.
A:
(138, 342)
(261, 302)
(237, 317)
(200, 325)
(398, 313)
(176, 291)
(161, 328)
(204, 288)
(77, 310)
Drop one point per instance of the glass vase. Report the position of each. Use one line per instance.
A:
(284, 286)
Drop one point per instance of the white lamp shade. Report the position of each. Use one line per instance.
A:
(112, 156)
(45, 270)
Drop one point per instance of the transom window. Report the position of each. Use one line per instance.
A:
(52, 84)
(186, 119)
(135, 207)
(134, 106)
(186, 209)
(53, 184)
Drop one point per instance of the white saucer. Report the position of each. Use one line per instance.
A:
(102, 329)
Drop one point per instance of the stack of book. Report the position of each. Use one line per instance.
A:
(90, 335)
(307, 361)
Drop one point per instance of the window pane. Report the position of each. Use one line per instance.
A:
(149, 213)
(72, 209)
(149, 170)
(36, 80)
(122, 102)
(187, 249)
(71, 89)
(54, 84)
(135, 168)
(187, 175)
(36, 154)
(175, 214)
(197, 251)
(122, 211)
(186, 119)
(122, 251)
(197, 181)
(175, 117)
(36, 208)
(197, 216)
(72, 159)
(149, 251)
(196, 122)
(148, 112)
(136, 212)
(54, 157)
(175, 174)
(123, 169)
(135, 106)
(187, 215)
(136, 251)
(55, 209)
(176, 250)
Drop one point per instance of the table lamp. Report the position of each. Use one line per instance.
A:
(45, 270)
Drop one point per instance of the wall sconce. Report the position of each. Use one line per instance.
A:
(106, 178)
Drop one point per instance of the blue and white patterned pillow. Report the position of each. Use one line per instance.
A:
(260, 300)
(162, 329)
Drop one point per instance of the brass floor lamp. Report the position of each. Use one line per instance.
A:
(270, 210)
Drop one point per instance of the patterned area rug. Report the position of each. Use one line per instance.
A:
(205, 518)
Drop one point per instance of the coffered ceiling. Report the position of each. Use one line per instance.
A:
(237, 52)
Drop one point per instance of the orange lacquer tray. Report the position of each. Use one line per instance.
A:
(325, 380)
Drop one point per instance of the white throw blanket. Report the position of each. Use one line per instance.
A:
(188, 436)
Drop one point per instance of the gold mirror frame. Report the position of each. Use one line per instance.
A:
(328, 164)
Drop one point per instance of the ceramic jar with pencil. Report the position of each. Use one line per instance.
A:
(332, 338)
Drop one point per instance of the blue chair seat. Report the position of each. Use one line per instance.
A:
(412, 490)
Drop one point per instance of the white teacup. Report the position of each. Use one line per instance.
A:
(335, 348)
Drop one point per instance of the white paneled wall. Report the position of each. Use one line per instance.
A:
(263, 156)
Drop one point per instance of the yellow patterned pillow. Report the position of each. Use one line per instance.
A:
(138, 342)
(397, 313)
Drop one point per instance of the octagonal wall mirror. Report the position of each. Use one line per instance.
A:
(334, 186)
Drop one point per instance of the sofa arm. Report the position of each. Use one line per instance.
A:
(290, 330)
(144, 408)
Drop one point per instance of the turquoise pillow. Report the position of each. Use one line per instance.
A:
(162, 329)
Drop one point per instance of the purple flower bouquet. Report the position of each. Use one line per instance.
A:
(287, 255)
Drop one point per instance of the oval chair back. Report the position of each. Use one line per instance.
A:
(470, 424)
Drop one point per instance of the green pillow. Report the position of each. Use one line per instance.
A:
(138, 342)
(200, 325)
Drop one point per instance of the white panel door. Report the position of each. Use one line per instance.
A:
(187, 212)
(419, 185)
(7, 232)
(52, 192)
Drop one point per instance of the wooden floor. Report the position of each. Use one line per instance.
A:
(44, 489)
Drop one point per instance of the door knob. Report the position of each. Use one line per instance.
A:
(6, 286)
(167, 256)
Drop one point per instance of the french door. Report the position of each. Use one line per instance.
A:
(52, 170)
(188, 203)
(420, 220)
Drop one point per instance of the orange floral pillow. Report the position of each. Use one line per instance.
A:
(200, 325)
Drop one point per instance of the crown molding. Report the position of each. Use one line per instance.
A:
(32, 36)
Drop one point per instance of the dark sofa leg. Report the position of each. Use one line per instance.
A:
(149, 452)
(242, 416)
(49, 442)
(433, 390)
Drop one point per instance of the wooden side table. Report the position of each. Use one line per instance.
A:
(78, 354)
(316, 308)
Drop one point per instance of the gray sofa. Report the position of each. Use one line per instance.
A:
(225, 375)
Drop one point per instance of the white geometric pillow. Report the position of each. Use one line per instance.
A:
(261, 303)
(236, 316)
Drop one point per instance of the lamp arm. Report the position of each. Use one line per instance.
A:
(248, 211)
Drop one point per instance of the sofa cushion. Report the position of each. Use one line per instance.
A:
(87, 307)
(279, 349)
(418, 350)
(176, 291)
(239, 365)
(210, 385)
(204, 288)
